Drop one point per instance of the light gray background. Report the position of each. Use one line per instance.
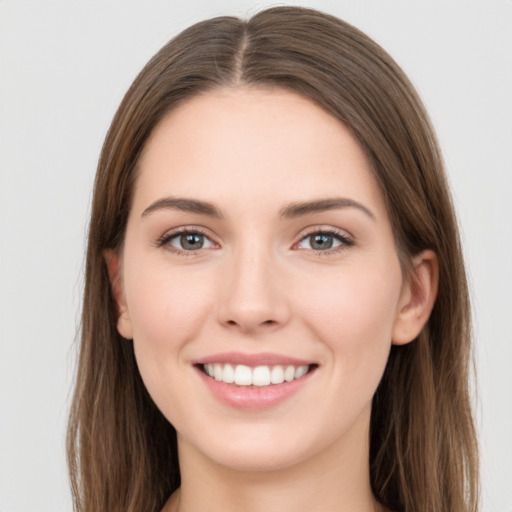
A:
(64, 66)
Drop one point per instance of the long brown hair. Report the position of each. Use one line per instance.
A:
(423, 453)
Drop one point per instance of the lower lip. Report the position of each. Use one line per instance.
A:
(254, 398)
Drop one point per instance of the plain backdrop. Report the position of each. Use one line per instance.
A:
(64, 67)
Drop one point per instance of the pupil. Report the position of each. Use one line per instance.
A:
(191, 241)
(320, 242)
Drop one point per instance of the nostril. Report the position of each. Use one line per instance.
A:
(265, 322)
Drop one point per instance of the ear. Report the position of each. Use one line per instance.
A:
(417, 298)
(113, 261)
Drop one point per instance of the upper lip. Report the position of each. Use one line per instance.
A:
(252, 360)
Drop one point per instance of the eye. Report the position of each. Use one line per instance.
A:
(186, 241)
(323, 241)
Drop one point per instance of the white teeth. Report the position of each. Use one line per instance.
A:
(243, 375)
(277, 375)
(260, 376)
(217, 371)
(289, 373)
(301, 371)
(229, 374)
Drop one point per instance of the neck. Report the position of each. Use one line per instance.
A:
(336, 479)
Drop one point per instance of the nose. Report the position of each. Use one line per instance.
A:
(253, 297)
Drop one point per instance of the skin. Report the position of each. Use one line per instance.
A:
(258, 286)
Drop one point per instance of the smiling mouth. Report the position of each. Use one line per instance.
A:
(259, 376)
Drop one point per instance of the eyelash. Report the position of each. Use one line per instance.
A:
(345, 241)
(168, 237)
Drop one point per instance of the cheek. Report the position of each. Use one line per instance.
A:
(167, 310)
(353, 319)
(354, 314)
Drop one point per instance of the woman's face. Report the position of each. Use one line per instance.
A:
(258, 248)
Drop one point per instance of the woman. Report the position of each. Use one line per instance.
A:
(275, 312)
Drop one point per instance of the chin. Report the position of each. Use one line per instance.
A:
(257, 458)
(264, 448)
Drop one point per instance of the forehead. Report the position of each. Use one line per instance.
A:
(253, 146)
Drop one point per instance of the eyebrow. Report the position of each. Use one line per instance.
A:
(184, 205)
(291, 210)
(321, 205)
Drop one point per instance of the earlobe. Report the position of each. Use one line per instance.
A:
(113, 262)
(417, 298)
